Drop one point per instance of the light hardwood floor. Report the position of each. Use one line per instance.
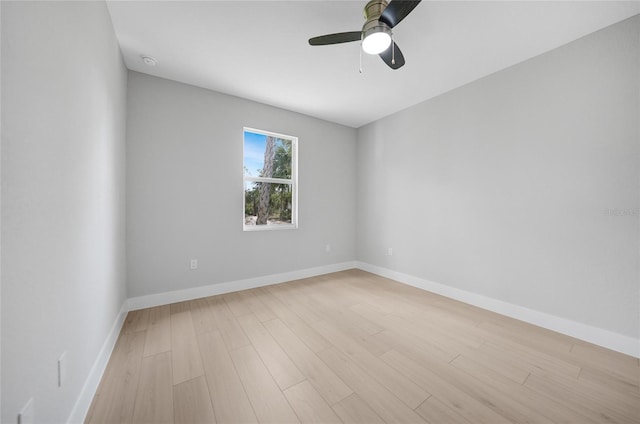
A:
(356, 348)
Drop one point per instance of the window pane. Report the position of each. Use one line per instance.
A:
(267, 156)
(267, 204)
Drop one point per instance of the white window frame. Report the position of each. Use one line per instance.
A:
(293, 182)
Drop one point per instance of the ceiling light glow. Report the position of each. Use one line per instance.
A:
(376, 40)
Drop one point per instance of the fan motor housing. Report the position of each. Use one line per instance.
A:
(374, 9)
(372, 12)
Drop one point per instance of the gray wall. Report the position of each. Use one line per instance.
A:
(503, 187)
(63, 233)
(184, 189)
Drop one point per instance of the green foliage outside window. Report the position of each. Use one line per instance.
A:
(269, 202)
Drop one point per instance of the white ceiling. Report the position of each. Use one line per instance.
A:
(258, 49)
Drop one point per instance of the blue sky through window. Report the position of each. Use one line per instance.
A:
(254, 146)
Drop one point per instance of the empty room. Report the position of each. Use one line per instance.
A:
(352, 211)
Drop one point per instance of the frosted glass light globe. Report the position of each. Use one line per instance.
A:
(376, 42)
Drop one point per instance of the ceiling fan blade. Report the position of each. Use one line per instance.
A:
(394, 61)
(340, 37)
(396, 11)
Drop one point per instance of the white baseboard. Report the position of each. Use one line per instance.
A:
(608, 339)
(165, 298)
(83, 403)
(604, 338)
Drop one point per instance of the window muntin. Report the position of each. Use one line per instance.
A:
(270, 180)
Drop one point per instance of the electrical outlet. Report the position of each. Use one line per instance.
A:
(390, 251)
(27, 414)
(193, 264)
(62, 369)
(327, 248)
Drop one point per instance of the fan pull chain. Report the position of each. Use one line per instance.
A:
(360, 69)
(393, 51)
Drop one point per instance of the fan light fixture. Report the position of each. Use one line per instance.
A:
(376, 39)
(380, 16)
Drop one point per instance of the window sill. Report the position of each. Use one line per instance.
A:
(251, 228)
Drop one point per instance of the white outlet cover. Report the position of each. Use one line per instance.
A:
(27, 414)
(193, 264)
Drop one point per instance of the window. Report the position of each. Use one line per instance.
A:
(270, 180)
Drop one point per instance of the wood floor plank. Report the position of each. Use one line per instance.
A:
(309, 405)
(444, 339)
(226, 323)
(508, 369)
(228, 397)
(404, 332)
(435, 309)
(534, 361)
(267, 400)
(297, 325)
(554, 409)
(136, 321)
(357, 348)
(434, 320)
(618, 401)
(154, 398)
(410, 346)
(295, 301)
(236, 304)
(414, 330)
(434, 411)
(457, 399)
(340, 283)
(158, 338)
(202, 316)
(283, 370)
(498, 397)
(192, 402)
(591, 404)
(370, 342)
(90, 413)
(325, 381)
(253, 299)
(626, 386)
(377, 397)
(370, 312)
(533, 339)
(179, 307)
(187, 363)
(344, 316)
(606, 357)
(117, 393)
(353, 409)
(409, 392)
(397, 337)
(617, 365)
(373, 300)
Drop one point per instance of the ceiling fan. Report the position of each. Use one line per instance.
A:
(376, 35)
